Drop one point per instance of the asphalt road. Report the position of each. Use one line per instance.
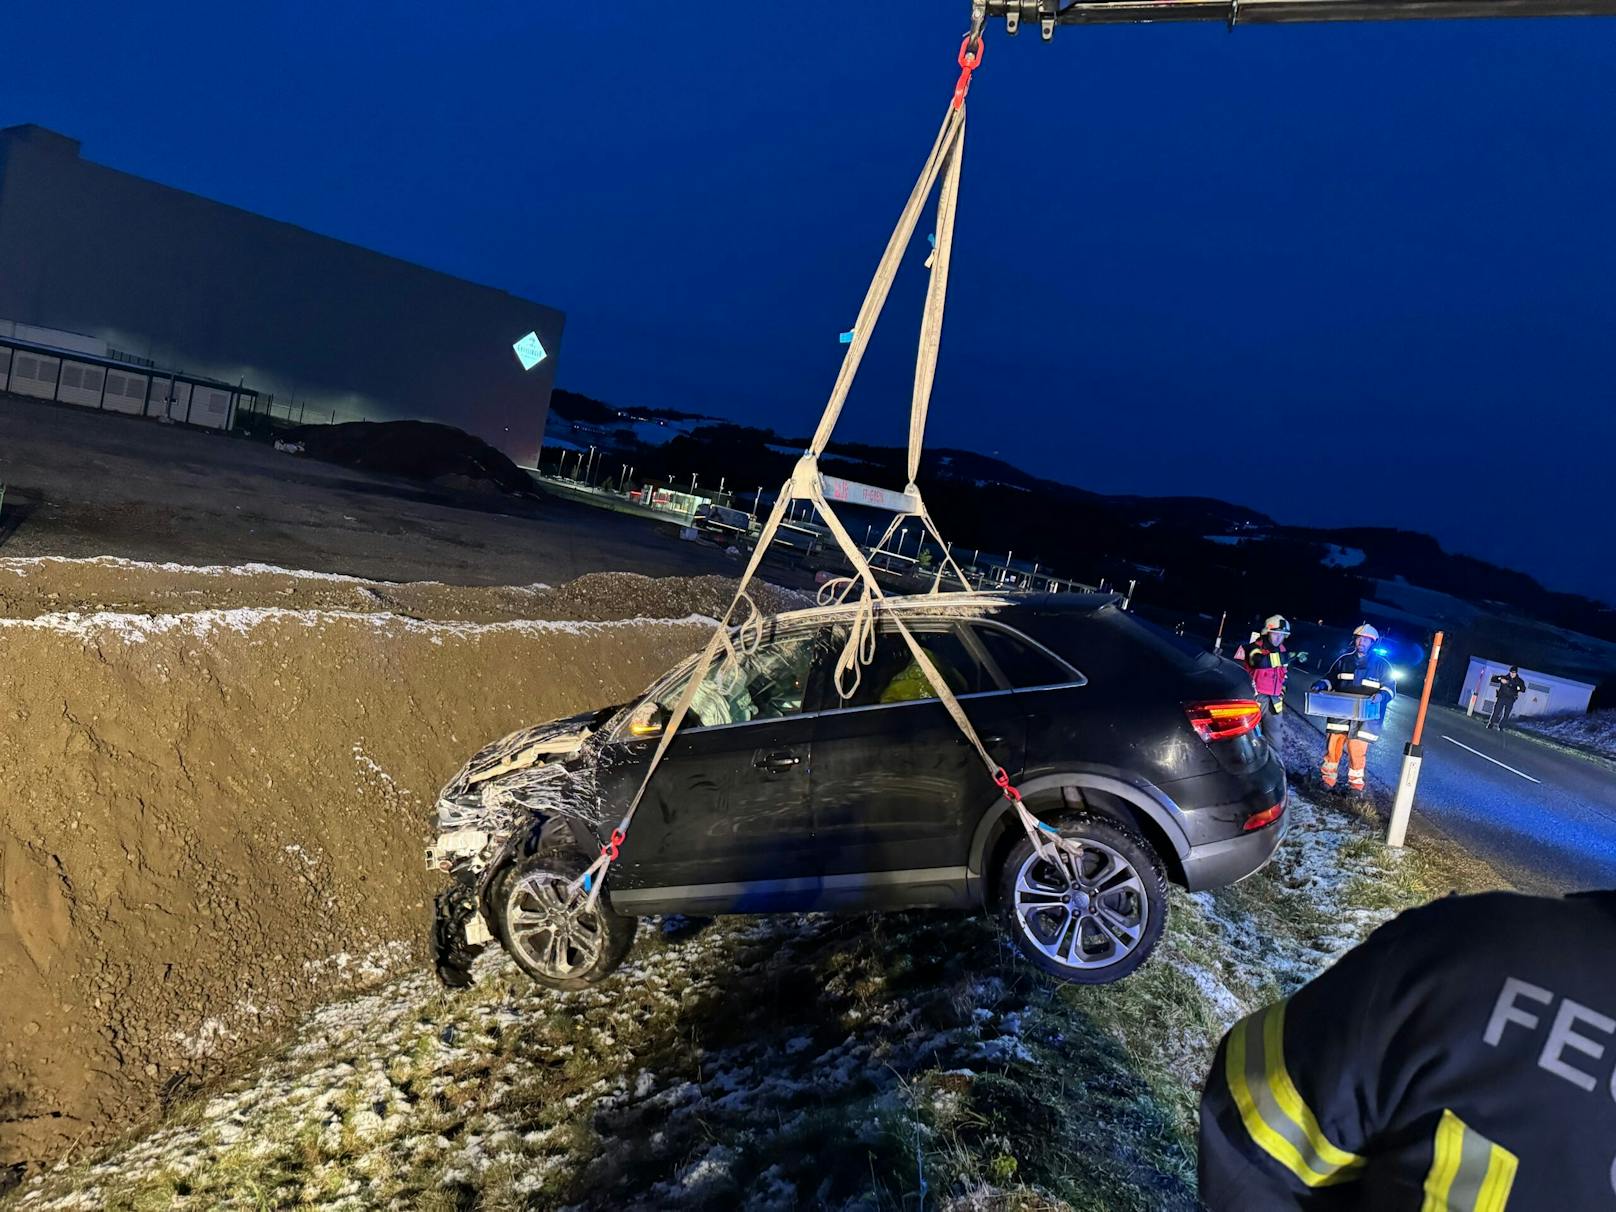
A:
(1544, 817)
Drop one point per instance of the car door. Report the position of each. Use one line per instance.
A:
(727, 823)
(897, 789)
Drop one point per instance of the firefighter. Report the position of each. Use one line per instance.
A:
(1359, 670)
(1510, 687)
(1267, 659)
(1459, 1058)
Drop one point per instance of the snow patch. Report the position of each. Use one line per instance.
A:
(137, 628)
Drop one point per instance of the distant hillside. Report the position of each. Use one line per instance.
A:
(1192, 554)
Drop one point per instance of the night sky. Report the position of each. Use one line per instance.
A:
(1342, 274)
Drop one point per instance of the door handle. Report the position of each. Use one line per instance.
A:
(779, 761)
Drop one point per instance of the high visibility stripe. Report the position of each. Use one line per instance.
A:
(1273, 659)
(1345, 677)
(1273, 1112)
(1371, 683)
(1469, 1173)
(1290, 1099)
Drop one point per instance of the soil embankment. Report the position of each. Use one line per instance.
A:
(215, 787)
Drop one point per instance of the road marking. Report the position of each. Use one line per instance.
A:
(1494, 761)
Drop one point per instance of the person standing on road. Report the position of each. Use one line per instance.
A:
(1266, 659)
(1360, 671)
(1458, 1058)
(1510, 687)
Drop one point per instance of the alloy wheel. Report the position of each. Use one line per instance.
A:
(1085, 907)
(551, 925)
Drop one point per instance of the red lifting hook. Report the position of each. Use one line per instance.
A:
(969, 61)
(1002, 778)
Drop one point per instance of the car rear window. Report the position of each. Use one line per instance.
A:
(1023, 664)
(1186, 653)
(1108, 644)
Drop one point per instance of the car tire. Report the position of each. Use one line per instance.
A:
(560, 945)
(1117, 900)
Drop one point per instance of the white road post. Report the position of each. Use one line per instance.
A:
(1413, 755)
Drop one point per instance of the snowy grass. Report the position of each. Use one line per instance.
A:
(1593, 731)
(894, 1061)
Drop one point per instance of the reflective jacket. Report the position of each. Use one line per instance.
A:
(1462, 1057)
(1354, 674)
(1267, 662)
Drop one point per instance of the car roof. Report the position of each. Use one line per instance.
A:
(957, 605)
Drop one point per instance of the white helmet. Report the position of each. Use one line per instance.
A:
(1277, 622)
(1367, 630)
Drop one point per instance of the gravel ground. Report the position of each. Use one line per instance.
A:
(91, 484)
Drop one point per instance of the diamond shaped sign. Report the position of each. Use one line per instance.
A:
(529, 352)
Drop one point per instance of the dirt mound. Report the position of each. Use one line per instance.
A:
(53, 585)
(214, 798)
(422, 450)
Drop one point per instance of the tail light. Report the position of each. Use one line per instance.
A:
(1225, 719)
(1266, 817)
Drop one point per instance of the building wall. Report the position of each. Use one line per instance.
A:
(212, 290)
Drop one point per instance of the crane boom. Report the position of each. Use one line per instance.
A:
(1050, 13)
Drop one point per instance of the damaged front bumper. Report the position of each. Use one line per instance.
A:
(524, 778)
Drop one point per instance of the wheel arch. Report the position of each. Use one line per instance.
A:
(524, 843)
(1134, 803)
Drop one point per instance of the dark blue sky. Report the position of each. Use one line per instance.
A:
(1348, 274)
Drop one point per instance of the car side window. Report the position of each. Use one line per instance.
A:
(769, 683)
(1023, 664)
(894, 676)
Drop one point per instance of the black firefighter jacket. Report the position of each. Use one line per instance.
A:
(1462, 1057)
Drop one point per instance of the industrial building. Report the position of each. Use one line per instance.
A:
(1546, 694)
(125, 295)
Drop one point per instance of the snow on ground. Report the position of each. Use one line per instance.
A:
(1342, 557)
(135, 628)
(760, 1062)
(21, 564)
(1594, 731)
(772, 1062)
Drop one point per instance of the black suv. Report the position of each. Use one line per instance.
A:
(778, 794)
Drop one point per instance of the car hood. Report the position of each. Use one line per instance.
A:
(543, 768)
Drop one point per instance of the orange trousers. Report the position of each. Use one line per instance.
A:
(1357, 759)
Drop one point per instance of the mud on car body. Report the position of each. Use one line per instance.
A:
(781, 794)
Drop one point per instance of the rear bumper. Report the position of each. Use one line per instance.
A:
(1218, 864)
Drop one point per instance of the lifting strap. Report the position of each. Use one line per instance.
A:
(942, 164)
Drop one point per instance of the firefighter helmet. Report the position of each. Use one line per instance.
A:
(1278, 622)
(1367, 630)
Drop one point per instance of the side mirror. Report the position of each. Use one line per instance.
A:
(648, 719)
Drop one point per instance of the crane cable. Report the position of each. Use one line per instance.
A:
(942, 163)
